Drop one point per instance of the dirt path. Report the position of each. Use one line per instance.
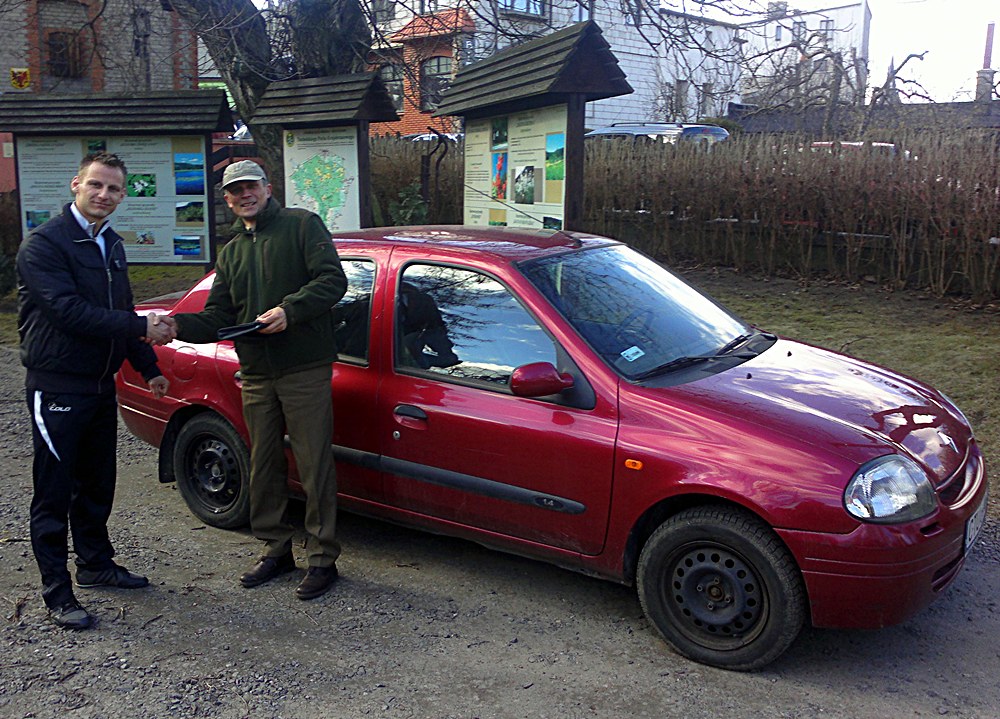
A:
(424, 627)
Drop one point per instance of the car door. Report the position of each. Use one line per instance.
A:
(355, 376)
(457, 445)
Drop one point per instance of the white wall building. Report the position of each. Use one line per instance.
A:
(682, 67)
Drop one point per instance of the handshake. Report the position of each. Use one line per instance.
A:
(160, 329)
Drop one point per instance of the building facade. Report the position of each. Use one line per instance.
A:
(682, 67)
(87, 46)
(71, 46)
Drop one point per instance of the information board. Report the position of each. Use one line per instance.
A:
(165, 215)
(515, 171)
(321, 174)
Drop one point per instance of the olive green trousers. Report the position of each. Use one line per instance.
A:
(300, 405)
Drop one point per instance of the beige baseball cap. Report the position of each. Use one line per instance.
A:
(243, 170)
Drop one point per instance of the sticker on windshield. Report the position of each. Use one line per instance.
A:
(632, 353)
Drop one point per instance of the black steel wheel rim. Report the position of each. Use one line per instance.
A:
(214, 473)
(715, 597)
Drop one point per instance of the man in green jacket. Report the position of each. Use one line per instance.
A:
(281, 270)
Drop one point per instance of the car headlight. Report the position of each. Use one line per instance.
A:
(890, 490)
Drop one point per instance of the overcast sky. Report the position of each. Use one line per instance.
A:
(953, 32)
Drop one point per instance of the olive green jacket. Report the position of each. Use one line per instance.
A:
(288, 260)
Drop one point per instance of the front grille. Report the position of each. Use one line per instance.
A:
(964, 476)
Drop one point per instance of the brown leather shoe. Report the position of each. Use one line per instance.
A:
(317, 582)
(267, 569)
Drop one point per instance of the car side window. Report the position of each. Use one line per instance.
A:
(465, 325)
(353, 313)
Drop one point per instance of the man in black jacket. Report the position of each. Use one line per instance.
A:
(77, 325)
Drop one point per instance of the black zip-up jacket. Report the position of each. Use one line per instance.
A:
(76, 317)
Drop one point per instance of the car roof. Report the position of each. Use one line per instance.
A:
(638, 128)
(850, 143)
(508, 243)
(650, 128)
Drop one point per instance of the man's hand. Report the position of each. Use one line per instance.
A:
(160, 330)
(159, 386)
(274, 319)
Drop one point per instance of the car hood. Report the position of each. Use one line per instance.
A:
(854, 409)
(161, 304)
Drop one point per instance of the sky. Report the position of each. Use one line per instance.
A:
(953, 32)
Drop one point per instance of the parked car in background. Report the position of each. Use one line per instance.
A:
(434, 136)
(560, 396)
(669, 132)
(834, 147)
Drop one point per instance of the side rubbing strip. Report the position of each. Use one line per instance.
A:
(478, 485)
(456, 480)
(40, 423)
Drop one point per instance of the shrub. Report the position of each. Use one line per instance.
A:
(930, 219)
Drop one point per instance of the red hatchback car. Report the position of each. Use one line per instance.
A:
(561, 396)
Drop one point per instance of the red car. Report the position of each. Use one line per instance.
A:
(561, 396)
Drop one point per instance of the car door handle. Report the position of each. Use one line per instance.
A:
(409, 411)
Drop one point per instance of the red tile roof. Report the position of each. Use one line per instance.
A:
(449, 22)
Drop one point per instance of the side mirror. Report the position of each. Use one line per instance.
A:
(538, 379)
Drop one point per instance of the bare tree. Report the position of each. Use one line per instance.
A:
(253, 46)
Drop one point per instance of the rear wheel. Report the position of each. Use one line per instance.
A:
(212, 469)
(721, 588)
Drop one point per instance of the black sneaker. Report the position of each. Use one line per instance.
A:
(114, 576)
(70, 616)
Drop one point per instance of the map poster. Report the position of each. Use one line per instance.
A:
(321, 174)
(165, 215)
(514, 169)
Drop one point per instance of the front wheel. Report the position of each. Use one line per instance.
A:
(212, 469)
(721, 588)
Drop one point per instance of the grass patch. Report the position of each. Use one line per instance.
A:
(155, 280)
(147, 281)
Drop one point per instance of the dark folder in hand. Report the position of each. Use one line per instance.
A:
(228, 333)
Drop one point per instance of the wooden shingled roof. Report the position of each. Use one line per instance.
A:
(161, 113)
(574, 61)
(322, 101)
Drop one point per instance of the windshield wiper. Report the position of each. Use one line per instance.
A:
(673, 364)
(730, 346)
(680, 362)
(743, 339)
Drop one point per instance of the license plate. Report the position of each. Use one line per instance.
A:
(974, 524)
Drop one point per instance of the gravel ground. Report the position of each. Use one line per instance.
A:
(425, 627)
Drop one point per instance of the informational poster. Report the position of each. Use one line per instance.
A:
(515, 169)
(165, 215)
(321, 174)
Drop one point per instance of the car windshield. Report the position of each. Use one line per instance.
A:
(638, 316)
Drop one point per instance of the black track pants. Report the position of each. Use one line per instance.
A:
(74, 480)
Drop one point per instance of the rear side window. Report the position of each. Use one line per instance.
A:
(465, 325)
(353, 313)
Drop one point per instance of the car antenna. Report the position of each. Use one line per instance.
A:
(576, 242)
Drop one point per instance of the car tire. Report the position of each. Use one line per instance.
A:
(721, 588)
(212, 468)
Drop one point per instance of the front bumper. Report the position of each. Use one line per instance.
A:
(879, 575)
